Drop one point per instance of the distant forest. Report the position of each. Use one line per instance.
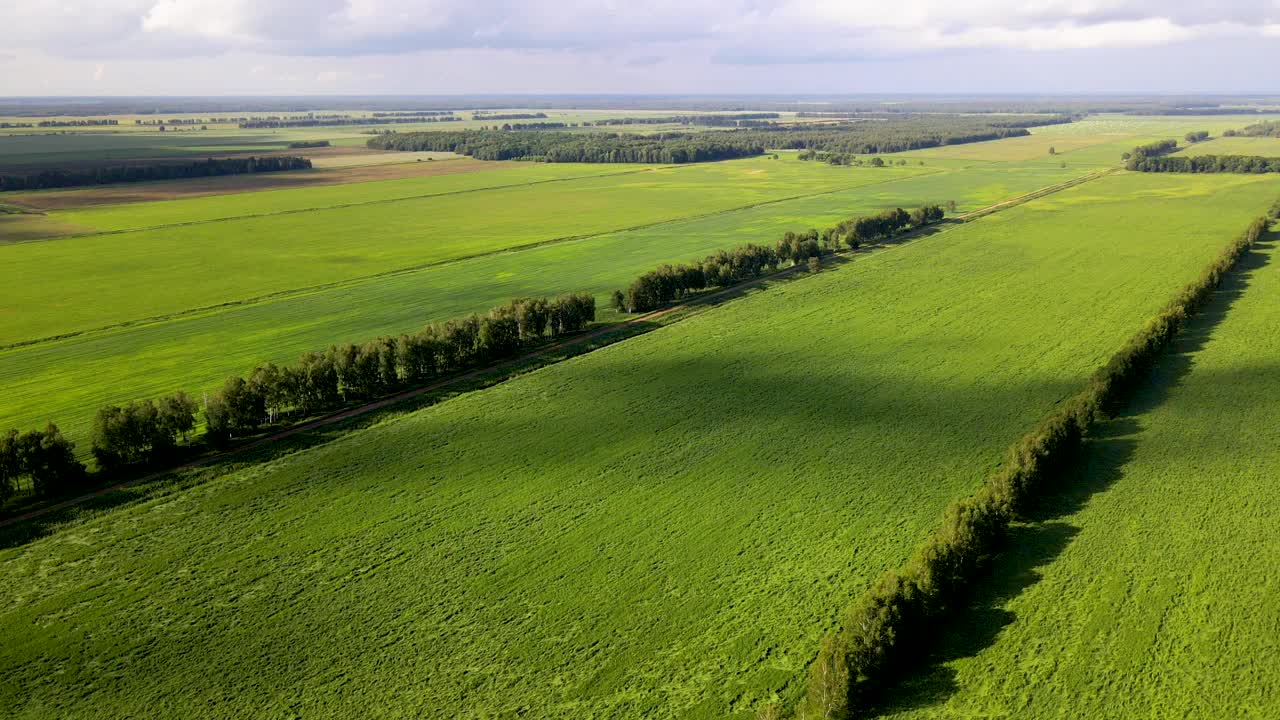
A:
(553, 146)
(868, 137)
(140, 173)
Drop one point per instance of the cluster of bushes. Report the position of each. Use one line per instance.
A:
(891, 624)
(300, 144)
(141, 173)
(831, 158)
(1266, 128)
(729, 267)
(1196, 136)
(1150, 150)
(1206, 164)
(551, 146)
(41, 460)
(339, 121)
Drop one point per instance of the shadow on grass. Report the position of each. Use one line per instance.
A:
(1046, 532)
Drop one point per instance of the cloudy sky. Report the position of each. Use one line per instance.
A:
(190, 47)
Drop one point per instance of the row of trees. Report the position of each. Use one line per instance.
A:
(1196, 136)
(340, 121)
(41, 461)
(508, 116)
(1150, 150)
(1266, 128)
(142, 431)
(848, 160)
(893, 623)
(552, 146)
(867, 138)
(302, 144)
(725, 120)
(1206, 164)
(147, 432)
(140, 173)
(669, 283)
(353, 373)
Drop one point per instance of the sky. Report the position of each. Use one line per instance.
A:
(307, 47)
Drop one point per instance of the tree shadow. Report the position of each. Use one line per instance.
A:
(1046, 533)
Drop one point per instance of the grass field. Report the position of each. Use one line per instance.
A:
(1151, 591)
(1264, 146)
(81, 283)
(662, 527)
(70, 379)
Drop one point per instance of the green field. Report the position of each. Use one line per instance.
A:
(71, 378)
(81, 283)
(1154, 591)
(662, 527)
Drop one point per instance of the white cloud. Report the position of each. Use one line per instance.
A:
(655, 44)
(360, 27)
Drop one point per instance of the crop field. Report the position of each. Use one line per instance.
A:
(81, 283)
(662, 527)
(70, 378)
(1152, 591)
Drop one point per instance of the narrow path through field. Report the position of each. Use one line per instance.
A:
(544, 351)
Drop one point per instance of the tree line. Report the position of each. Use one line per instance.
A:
(150, 433)
(508, 116)
(726, 120)
(1196, 136)
(832, 158)
(552, 146)
(1266, 128)
(1205, 164)
(893, 624)
(724, 268)
(302, 144)
(141, 173)
(336, 122)
(863, 137)
(1150, 150)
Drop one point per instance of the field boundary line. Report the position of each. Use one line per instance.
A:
(692, 304)
(348, 282)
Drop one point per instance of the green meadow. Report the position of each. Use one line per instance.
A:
(663, 527)
(81, 283)
(1150, 589)
(69, 379)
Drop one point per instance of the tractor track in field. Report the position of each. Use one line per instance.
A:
(542, 352)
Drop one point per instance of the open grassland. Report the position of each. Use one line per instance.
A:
(1154, 590)
(474, 175)
(661, 528)
(81, 283)
(1262, 146)
(71, 378)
